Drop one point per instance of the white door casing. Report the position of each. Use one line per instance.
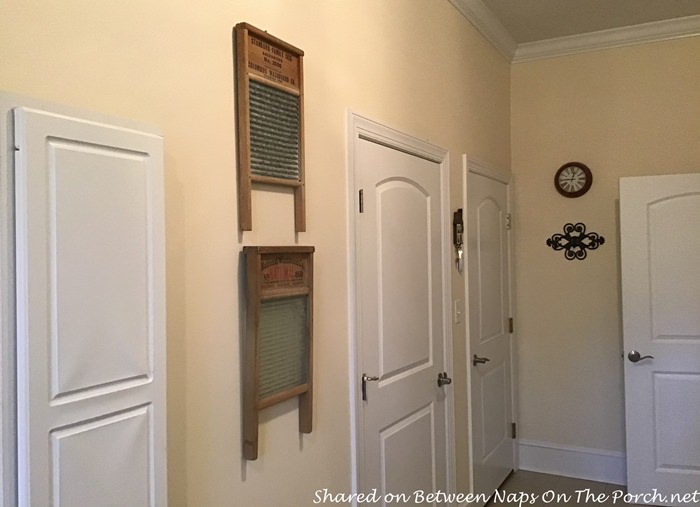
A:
(399, 275)
(90, 320)
(660, 245)
(489, 337)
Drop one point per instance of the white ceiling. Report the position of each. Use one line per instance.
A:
(533, 29)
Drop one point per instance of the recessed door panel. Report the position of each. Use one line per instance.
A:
(494, 408)
(107, 462)
(674, 292)
(403, 213)
(99, 226)
(409, 440)
(490, 256)
(677, 445)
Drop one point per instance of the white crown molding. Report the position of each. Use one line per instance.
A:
(607, 39)
(488, 25)
(493, 31)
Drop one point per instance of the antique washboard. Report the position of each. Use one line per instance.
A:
(278, 349)
(270, 105)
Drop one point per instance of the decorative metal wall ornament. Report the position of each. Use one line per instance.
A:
(575, 242)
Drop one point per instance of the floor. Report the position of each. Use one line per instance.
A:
(534, 489)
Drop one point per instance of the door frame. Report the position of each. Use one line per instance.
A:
(8, 382)
(473, 165)
(362, 128)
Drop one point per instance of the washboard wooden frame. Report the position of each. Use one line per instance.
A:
(278, 347)
(270, 109)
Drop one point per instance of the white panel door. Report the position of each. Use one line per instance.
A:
(90, 313)
(660, 246)
(489, 335)
(400, 297)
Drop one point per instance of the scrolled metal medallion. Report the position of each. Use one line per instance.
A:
(575, 242)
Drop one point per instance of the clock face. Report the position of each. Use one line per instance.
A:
(573, 179)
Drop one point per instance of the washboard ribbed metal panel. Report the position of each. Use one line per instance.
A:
(284, 345)
(274, 132)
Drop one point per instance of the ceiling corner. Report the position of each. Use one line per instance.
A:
(488, 25)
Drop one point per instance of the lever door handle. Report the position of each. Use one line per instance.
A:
(443, 379)
(366, 378)
(635, 356)
(479, 360)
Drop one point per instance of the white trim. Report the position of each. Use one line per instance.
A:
(8, 415)
(467, 344)
(655, 31)
(477, 166)
(494, 32)
(359, 127)
(570, 461)
(488, 25)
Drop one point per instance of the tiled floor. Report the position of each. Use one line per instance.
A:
(532, 489)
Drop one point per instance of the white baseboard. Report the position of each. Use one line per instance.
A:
(580, 462)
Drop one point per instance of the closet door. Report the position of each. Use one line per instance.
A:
(90, 313)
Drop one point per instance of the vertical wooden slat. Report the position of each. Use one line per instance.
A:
(245, 213)
(300, 192)
(306, 400)
(250, 355)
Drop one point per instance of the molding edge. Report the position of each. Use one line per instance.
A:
(656, 31)
(494, 32)
(570, 461)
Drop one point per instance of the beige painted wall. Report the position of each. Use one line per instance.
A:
(623, 112)
(416, 65)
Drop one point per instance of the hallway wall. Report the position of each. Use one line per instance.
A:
(624, 112)
(416, 66)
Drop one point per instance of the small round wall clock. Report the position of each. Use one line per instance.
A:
(573, 179)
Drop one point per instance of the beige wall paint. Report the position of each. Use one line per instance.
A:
(623, 112)
(416, 66)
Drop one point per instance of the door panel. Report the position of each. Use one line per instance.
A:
(489, 337)
(80, 453)
(401, 329)
(90, 188)
(90, 313)
(405, 309)
(400, 444)
(659, 224)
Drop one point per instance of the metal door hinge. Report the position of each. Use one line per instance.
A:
(510, 325)
(509, 221)
(513, 430)
(362, 201)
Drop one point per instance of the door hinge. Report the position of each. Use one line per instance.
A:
(510, 324)
(362, 201)
(509, 221)
(513, 430)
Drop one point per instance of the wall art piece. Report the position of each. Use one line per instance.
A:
(278, 347)
(575, 241)
(270, 106)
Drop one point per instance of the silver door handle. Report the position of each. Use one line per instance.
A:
(443, 379)
(479, 360)
(366, 378)
(635, 356)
